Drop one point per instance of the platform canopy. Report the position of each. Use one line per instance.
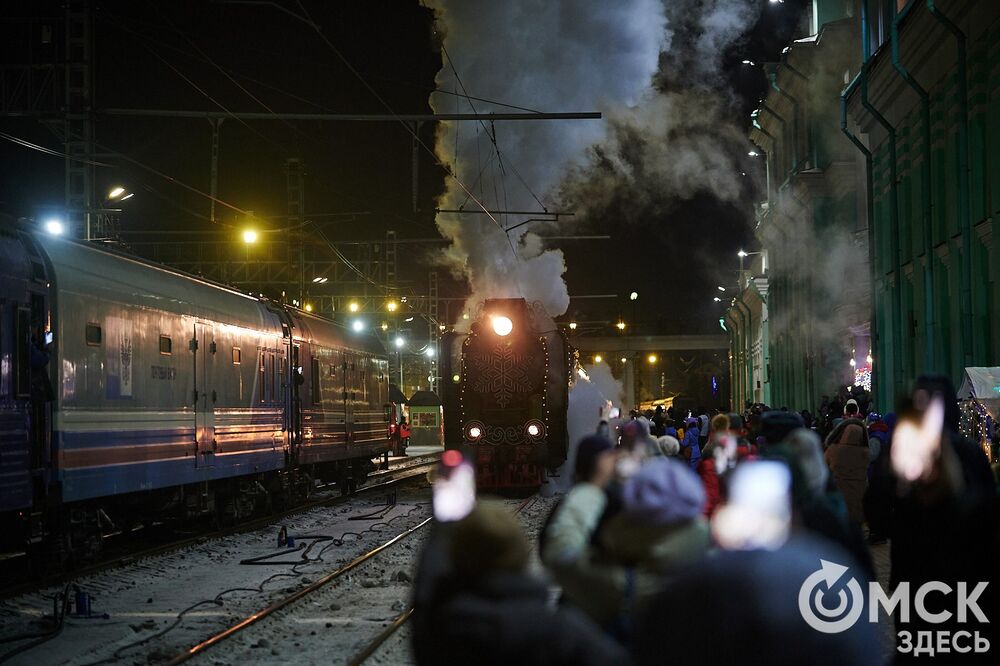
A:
(982, 384)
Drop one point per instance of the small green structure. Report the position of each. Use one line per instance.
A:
(426, 422)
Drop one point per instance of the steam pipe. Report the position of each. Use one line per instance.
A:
(795, 116)
(897, 305)
(869, 212)
(964, 210)
(930, 358)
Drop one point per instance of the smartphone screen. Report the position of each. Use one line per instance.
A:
(48, 337)
(757, 512)
(917, 444)
(454, 492)
(615, 413)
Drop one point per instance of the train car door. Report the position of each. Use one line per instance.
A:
(350, 394)
(205, 393)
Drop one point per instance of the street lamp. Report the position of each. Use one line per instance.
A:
(717, 299)
(353, 306)
(633, 296)
(721, 288)
(391, 306)
(249, 236)
(357, 325)
(308, 307)
(620, 326)
(572, 326)
(399, 342)
(116, 192)
(54, 226)
(598, 358)
(385, 326)
(651, 358)
(743, 254)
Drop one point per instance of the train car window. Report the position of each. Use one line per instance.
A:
(22, 351)
(166, 345)
(237, 356)
(314, 381)
(93, 335)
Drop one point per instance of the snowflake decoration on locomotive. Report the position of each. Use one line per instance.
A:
(502, 372)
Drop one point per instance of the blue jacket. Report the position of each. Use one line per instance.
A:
(691, 439)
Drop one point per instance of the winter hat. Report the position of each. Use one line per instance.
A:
(669, 446)
(850, 402)
(662, 492)
(588, 451)
(488, 540)
(805, 446)
(775, 425)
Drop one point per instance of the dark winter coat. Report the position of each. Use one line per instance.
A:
(502, 619)
(505, 619)
(741, 607)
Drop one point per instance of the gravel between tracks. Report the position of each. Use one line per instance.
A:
(327, 626)
(337, 621)
(143, 598)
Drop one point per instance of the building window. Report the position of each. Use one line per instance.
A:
(166, 345)
(237, 356)
(93, 335)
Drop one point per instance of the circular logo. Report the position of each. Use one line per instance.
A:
(813, 595)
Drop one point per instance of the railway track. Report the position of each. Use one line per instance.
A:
(380, 480)
(370, 648)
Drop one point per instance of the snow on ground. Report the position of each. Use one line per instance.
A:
(329, 625)
(339, 620)
(143, 598)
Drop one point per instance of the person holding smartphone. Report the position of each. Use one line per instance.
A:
(945, 522)
(474, 599)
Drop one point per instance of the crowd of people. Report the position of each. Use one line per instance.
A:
(688, 539)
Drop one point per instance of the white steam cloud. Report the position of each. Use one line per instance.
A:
(651, 66)
(550, 55)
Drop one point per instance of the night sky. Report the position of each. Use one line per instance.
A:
(146, 49)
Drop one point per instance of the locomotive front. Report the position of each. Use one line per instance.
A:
(503, 394)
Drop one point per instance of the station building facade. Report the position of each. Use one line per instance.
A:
(925, 104)
(889, 112)
(800, 322)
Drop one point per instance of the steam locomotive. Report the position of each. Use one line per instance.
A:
(130, 392)
(506, 401)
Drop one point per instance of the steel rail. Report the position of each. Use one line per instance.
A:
(401, 619)
(124, 559)
(292, 598)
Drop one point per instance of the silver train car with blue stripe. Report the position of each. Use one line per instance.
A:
(130, 392)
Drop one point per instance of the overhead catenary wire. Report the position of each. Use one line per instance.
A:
(306, 18)
(48, 151)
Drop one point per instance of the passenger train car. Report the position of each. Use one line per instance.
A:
(130, 391)
(507, 397)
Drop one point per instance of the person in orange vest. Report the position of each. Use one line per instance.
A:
(404, 435)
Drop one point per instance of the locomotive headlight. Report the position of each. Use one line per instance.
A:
(502, 325)
(534, 429)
